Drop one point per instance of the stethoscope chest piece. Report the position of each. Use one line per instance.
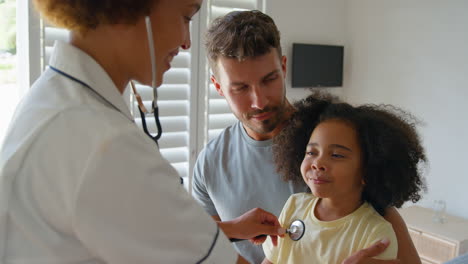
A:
(296, 230)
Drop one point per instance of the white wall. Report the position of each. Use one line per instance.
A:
(414, 54)
(307, 21)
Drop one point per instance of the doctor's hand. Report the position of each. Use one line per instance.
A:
(252, 224)
(364, 256)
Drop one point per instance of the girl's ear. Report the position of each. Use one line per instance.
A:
(363, 182)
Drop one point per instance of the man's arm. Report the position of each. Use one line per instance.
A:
(406, 251)
(200, 184)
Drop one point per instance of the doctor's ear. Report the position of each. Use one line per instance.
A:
(217, 85)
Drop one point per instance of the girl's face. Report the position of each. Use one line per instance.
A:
(170, 21)
(332, 162)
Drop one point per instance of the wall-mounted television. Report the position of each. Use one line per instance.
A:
(317, 65)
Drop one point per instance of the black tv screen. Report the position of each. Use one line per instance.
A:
(317, 65)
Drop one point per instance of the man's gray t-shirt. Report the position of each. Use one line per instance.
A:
(235, 173)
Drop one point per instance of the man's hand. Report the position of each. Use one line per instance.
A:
(364, 256)
(253, 223)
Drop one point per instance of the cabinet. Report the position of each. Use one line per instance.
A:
(435, 242)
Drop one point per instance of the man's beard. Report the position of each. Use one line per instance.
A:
(268, 125)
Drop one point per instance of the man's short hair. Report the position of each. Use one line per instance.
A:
(241, 35)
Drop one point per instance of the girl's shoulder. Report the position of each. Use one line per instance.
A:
(374, 222)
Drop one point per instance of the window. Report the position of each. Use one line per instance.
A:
(8, 64)
(191, 111)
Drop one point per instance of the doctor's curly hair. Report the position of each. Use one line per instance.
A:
(392, 153)
(83, 15)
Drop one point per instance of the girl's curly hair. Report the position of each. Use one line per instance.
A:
(391, 147)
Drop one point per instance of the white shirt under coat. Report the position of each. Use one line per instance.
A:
(81, 183)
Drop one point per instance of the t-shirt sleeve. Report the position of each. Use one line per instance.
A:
(130, 208)
(270, 251)
(199, 186)
(385, 230)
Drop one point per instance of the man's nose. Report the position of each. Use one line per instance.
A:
(259, 98)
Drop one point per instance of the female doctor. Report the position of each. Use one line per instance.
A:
(79, 182)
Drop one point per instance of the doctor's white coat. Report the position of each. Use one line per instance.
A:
(81, 183)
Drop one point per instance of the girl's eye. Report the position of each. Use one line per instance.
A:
(335, 155)
(310, 153)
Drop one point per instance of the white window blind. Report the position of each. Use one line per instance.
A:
(174, 112)
(178, 115)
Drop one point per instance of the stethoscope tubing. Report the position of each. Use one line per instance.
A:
(143, 117)
(158, 124)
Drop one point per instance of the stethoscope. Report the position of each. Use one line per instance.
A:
(142, 109)
(295, 231)
(155, 109)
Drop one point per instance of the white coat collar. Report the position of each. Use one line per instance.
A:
(76, 63)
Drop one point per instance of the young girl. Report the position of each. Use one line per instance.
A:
(358, 161)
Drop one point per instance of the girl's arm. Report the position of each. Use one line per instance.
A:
(406, 251)
(266, 261)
